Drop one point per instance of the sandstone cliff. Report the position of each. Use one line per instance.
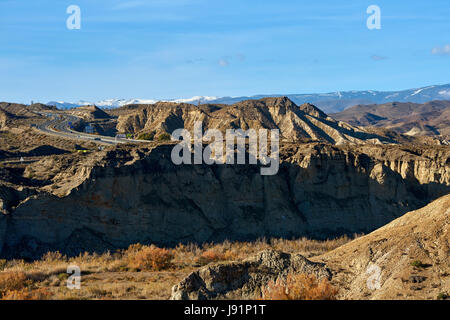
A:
(113, 198)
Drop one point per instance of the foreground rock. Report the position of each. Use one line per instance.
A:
(408, 258)
(244, 280)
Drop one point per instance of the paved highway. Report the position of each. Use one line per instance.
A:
(58, 125)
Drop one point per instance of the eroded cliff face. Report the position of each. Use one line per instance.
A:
(294, 122)
(139, 195)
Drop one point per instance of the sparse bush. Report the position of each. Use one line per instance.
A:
(210, 255)
(150, 258)
(3, 263)
(229, 255)
(300, 287)
(443, 296)
(98, 292)
(56, 256)
(62, 276)
(134, 247)
(10, 281)
(27, 294)
(164, 137)
(417, 264)
(146, 136)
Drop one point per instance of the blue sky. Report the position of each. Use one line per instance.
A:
(178, 48)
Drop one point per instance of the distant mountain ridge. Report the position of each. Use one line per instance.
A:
(430, 118)
(331, 102)
(117, 103)
(338, 101)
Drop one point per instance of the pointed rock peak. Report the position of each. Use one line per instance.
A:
(280, 102)
(91, 111)
(313, 110)
(91, 107)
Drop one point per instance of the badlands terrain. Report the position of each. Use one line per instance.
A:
(98, 188)
(431, 118)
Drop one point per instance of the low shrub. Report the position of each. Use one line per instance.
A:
(300, 287)
(51, 257)
(443, 296)
(150, 258)
(27, 294)
(11, 281)
(164, 137)
(146, 136)
(3, 263)
(417, 264)
(210, 255)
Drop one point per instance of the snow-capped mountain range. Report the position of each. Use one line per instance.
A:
(328, 102)
(116, 103)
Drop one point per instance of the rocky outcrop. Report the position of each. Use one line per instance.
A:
(246, 279)
(111, 199)
(3, 119)
(89, 113)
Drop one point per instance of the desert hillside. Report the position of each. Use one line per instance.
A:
(89, 113)
(430, 118)
(294, 122)
(411, 252)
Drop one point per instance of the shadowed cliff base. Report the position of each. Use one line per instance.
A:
(111, 199)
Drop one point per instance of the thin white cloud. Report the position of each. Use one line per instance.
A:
(441, 51)
(376, 57)
(223, 62)
(227, 60)
(196, 60)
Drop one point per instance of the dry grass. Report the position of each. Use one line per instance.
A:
(11, 281)
(193, 254)
(27, 294)
(138, 272)
(17, 286)
(300, 287)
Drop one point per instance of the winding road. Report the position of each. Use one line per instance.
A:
(59, 125)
